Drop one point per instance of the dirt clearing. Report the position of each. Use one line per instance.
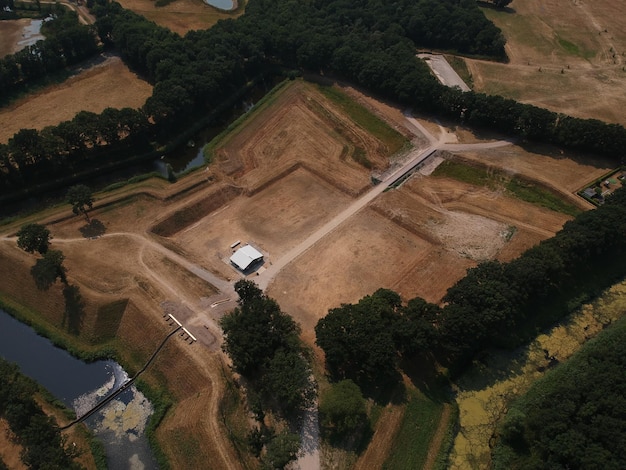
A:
(10, 34)
(109, 84)
(565, 56)
(181, 16)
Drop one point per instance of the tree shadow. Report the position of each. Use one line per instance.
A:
(424, 375)
(491, 6)
(74, 309)
(93, 229)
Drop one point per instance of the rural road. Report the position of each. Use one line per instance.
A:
(416, 157)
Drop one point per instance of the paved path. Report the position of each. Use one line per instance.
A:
(443, 71)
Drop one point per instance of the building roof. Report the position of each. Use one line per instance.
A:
(245, 256)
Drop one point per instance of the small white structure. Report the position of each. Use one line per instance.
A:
(245, 256)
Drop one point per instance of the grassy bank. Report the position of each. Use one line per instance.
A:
(392, 139)
(516, 187)
(485, 392)
(412, 444)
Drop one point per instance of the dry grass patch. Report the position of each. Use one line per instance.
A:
(568, 57)
(109, 84)
(181, 16)
(11, 34)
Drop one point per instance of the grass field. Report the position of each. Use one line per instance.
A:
(516, 187)
(412, 443)
(109, 84)
(565, 56)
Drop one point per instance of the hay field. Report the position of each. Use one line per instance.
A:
(108, 84)
(565, 56)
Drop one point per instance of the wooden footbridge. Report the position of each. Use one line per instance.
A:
(129, 382)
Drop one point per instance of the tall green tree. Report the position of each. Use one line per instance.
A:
(34, 237)
(48, 269)
(342, 409)
(81, 199)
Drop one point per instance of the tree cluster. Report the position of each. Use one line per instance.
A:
(264, 346)
(67, 43)
(494, 305)
(38, 434)
(575, 416)
(363, 341)
(368, 42)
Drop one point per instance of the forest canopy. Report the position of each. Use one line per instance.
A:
(201, 75)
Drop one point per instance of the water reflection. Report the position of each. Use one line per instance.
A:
(120, 425)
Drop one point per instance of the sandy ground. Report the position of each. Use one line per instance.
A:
(291, 164)
(109, 84)
(565, 56)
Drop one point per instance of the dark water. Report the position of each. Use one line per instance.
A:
(80, 386)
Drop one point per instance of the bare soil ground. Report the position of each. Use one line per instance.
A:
(292, 170)
(9, 450)
(10, 34)
(565, 56)
(109, 84)
(180, 16)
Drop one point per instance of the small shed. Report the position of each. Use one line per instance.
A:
(245, 256)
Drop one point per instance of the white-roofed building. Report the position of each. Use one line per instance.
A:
(245, 256)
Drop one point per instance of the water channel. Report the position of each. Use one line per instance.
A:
(120, 425)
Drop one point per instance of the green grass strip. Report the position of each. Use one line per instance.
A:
(412, 443)
(392, 139)
(516, 187)
(539, 196)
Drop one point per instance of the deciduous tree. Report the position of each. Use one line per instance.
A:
(34, 237)
(81, 199)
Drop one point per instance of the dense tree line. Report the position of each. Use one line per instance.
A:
(575, 416)
(67, 43)
(264, 346)
(368, 42)
(38, 434)
(494, 305)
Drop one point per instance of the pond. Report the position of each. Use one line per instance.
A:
(222, 4)
(120, 425)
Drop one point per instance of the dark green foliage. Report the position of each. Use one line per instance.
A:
(264, 345)
(369, 42)
(256, 330)
(357, 338)
(361, 341)
(48, 269)
(342, 410)
(286, 382)
(574, 417)
(67, 42)
(34, 237)
(81, 199)
(280, 451)
(44, 447)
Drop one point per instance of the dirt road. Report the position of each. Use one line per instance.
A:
(416, 157)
